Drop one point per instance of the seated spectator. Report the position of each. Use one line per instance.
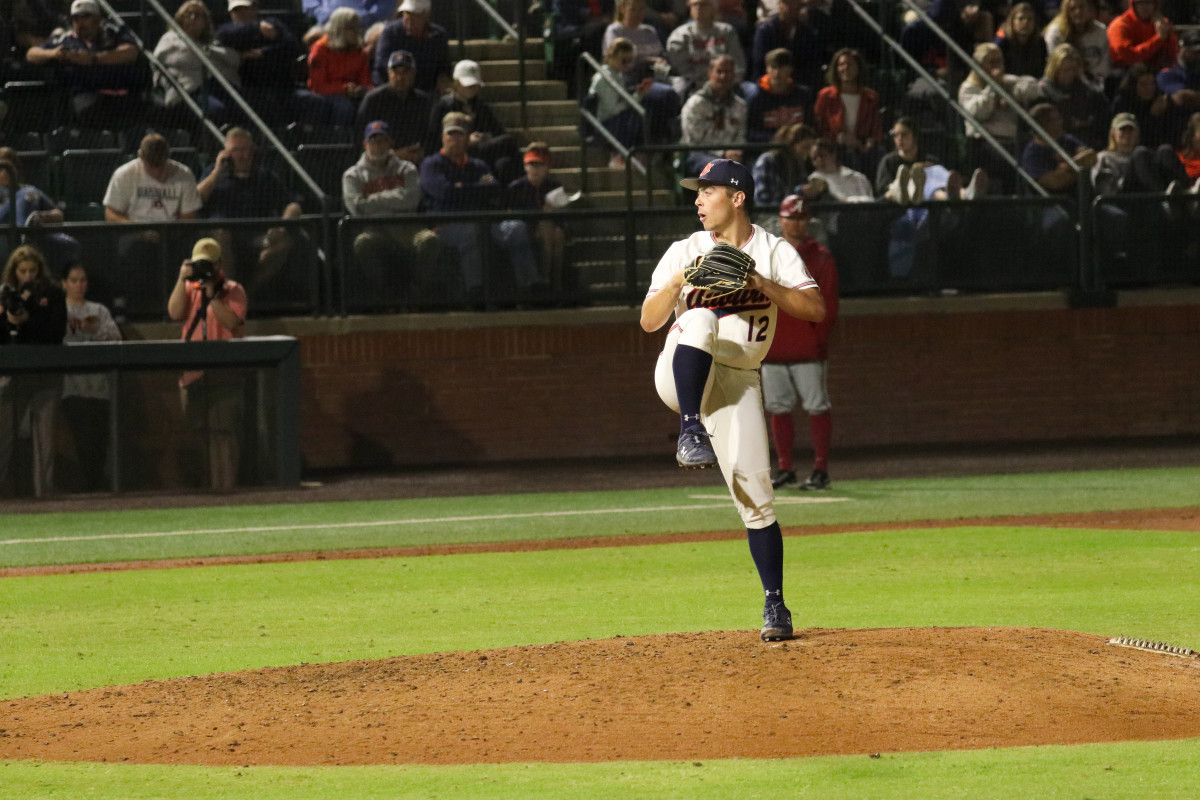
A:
(428, 42)
(150, 188)
(268, 52)
(1076, 25)
(86, 397)
(237, 186)
(538, 190)
(338, 70)
(616, 114)
(1128, 167)
(489, 141)
(391, 255)
(1142, 35)
(908, 153)
(784, 169)
(1181, 83)
(185, 66)
(1138, 94)
(1022, 43)
(714, 115)
(842, 184)
(779, 101)
(403, 106)
(788, 29)
(36, 315)
(1043, 164)
(101, 66)
(211, 307)
(990, 108)
(847, 112)
(454, 181)
(1084, 110)
(648, 47)
(1189, 148)
(692, 47)
(28, 207)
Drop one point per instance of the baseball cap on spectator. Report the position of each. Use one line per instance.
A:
(466, 72)
(537, 155)
(240, 4)
(456, 121)
(376, 128)
(206, 249)
(723, 172)
(1124, 120)
(415, 6)
(794, 206)
(402, 58)
(81, 8)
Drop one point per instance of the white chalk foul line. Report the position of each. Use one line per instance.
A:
(375, 524)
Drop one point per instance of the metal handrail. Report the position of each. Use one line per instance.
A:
(598, 126)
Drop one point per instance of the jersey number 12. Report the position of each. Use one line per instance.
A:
(757, 329)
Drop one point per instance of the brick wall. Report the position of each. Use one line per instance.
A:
(450, 389)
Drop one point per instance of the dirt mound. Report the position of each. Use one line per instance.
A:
(674, 696)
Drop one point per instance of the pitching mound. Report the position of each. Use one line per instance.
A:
(679, 696)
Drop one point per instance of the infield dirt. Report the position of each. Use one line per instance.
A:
(684, 696)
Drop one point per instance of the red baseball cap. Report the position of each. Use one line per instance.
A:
(794, 206)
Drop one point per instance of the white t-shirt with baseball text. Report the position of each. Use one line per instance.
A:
(132, 192)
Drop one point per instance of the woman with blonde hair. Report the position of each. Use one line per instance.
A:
(1076, 25)
(179, 60)
(339, 72)
(34, 312)
(1084, 110)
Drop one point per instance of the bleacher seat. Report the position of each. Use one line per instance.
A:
(60, 140)
(298, 133)
(85, 174)
(325, 163)
(33, 106)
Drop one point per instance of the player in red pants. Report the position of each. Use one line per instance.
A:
(794, 369)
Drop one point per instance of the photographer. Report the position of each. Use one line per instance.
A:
(34, 312)
(211, 307)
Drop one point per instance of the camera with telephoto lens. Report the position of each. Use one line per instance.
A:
(203, 270)
(13, 300)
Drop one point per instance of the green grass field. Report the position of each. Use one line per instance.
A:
(68, 632)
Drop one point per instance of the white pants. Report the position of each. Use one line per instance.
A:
(786, 384)
(731, 411)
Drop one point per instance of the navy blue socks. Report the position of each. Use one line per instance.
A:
(690, 367)
(766, 548)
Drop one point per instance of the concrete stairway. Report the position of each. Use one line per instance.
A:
(597, 248)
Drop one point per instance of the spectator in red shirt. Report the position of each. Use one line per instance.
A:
(795, 367)
(847, 113)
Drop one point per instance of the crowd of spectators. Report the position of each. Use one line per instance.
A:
(775, 88)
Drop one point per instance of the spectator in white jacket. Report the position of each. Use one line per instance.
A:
(1076, 24)
(994, 112)
(389, 255)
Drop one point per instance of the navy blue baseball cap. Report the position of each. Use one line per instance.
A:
(723, 172)
(402, 58)
(376, 128)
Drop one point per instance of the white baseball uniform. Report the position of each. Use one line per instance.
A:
(736, 329)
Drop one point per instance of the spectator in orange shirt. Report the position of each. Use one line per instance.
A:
(1143, 35)
(338, 70)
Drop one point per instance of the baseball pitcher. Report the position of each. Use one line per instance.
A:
(725, 286)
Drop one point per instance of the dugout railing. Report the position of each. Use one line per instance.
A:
(146, 424)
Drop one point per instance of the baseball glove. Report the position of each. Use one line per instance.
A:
(722, 270)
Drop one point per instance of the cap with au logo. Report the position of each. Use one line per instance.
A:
(723, 172)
